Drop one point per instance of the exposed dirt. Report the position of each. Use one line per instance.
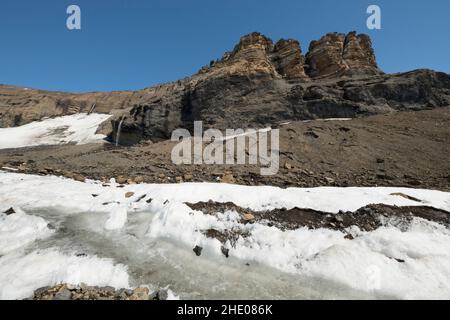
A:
(409, 149)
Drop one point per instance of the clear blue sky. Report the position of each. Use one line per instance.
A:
(132, 44)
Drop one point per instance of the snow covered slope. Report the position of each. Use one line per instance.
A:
(78, 128)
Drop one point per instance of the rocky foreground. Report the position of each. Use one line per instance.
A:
(85, 292)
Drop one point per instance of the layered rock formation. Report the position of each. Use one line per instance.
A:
(336, 55)
(258, 84)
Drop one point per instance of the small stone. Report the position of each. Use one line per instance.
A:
(198, 250)
(129, 194)
(140, 293)
(329, 180)
(338, 218)
(78, 177)
(349, 237)
(225, 251)
(9, 211)
(65, 294)
(108, 289)
(248, 217)
(138, 179)
(288, 166)
(163, 294)
(179, 179)
(121, 180)
(41, 291)
(228, 178)
(188, 177)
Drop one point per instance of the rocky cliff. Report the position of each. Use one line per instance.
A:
(259, 83)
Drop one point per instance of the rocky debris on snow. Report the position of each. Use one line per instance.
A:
(85, 292)
(9, 211)
(367, 218)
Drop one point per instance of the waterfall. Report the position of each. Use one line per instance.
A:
(92, 108)
(118, 131)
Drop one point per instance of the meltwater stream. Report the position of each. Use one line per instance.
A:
(160, 263)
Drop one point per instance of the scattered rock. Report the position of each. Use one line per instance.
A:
(248, 217)
(140, 198)
(188, 177)
(138, 179)
(84, 292)
(65, 294)
(9, 211)
(329, 180)
(225, 251)
(121, 180)
(400, 194)
(78, 177)
(129, 194)
(163, 294)
(227, 178)
(141, 293)
(198, 250)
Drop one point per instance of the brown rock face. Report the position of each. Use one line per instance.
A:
(288, 59)
(257, 54)
(337, 54)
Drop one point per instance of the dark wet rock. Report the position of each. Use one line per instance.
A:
(163, 294)
(198, 250)
(9, 211)
(225, 251)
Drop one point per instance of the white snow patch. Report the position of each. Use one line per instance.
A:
(21, 275)
(234, 136)
(78, 128)
(51, 191)
(117, 219)
(20, 229)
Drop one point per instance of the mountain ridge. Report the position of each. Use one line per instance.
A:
(259, 83)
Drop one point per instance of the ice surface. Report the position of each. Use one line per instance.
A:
(21, 274)
(19, 229)
(408, 263)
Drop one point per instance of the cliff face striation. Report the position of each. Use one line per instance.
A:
(259, 83)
